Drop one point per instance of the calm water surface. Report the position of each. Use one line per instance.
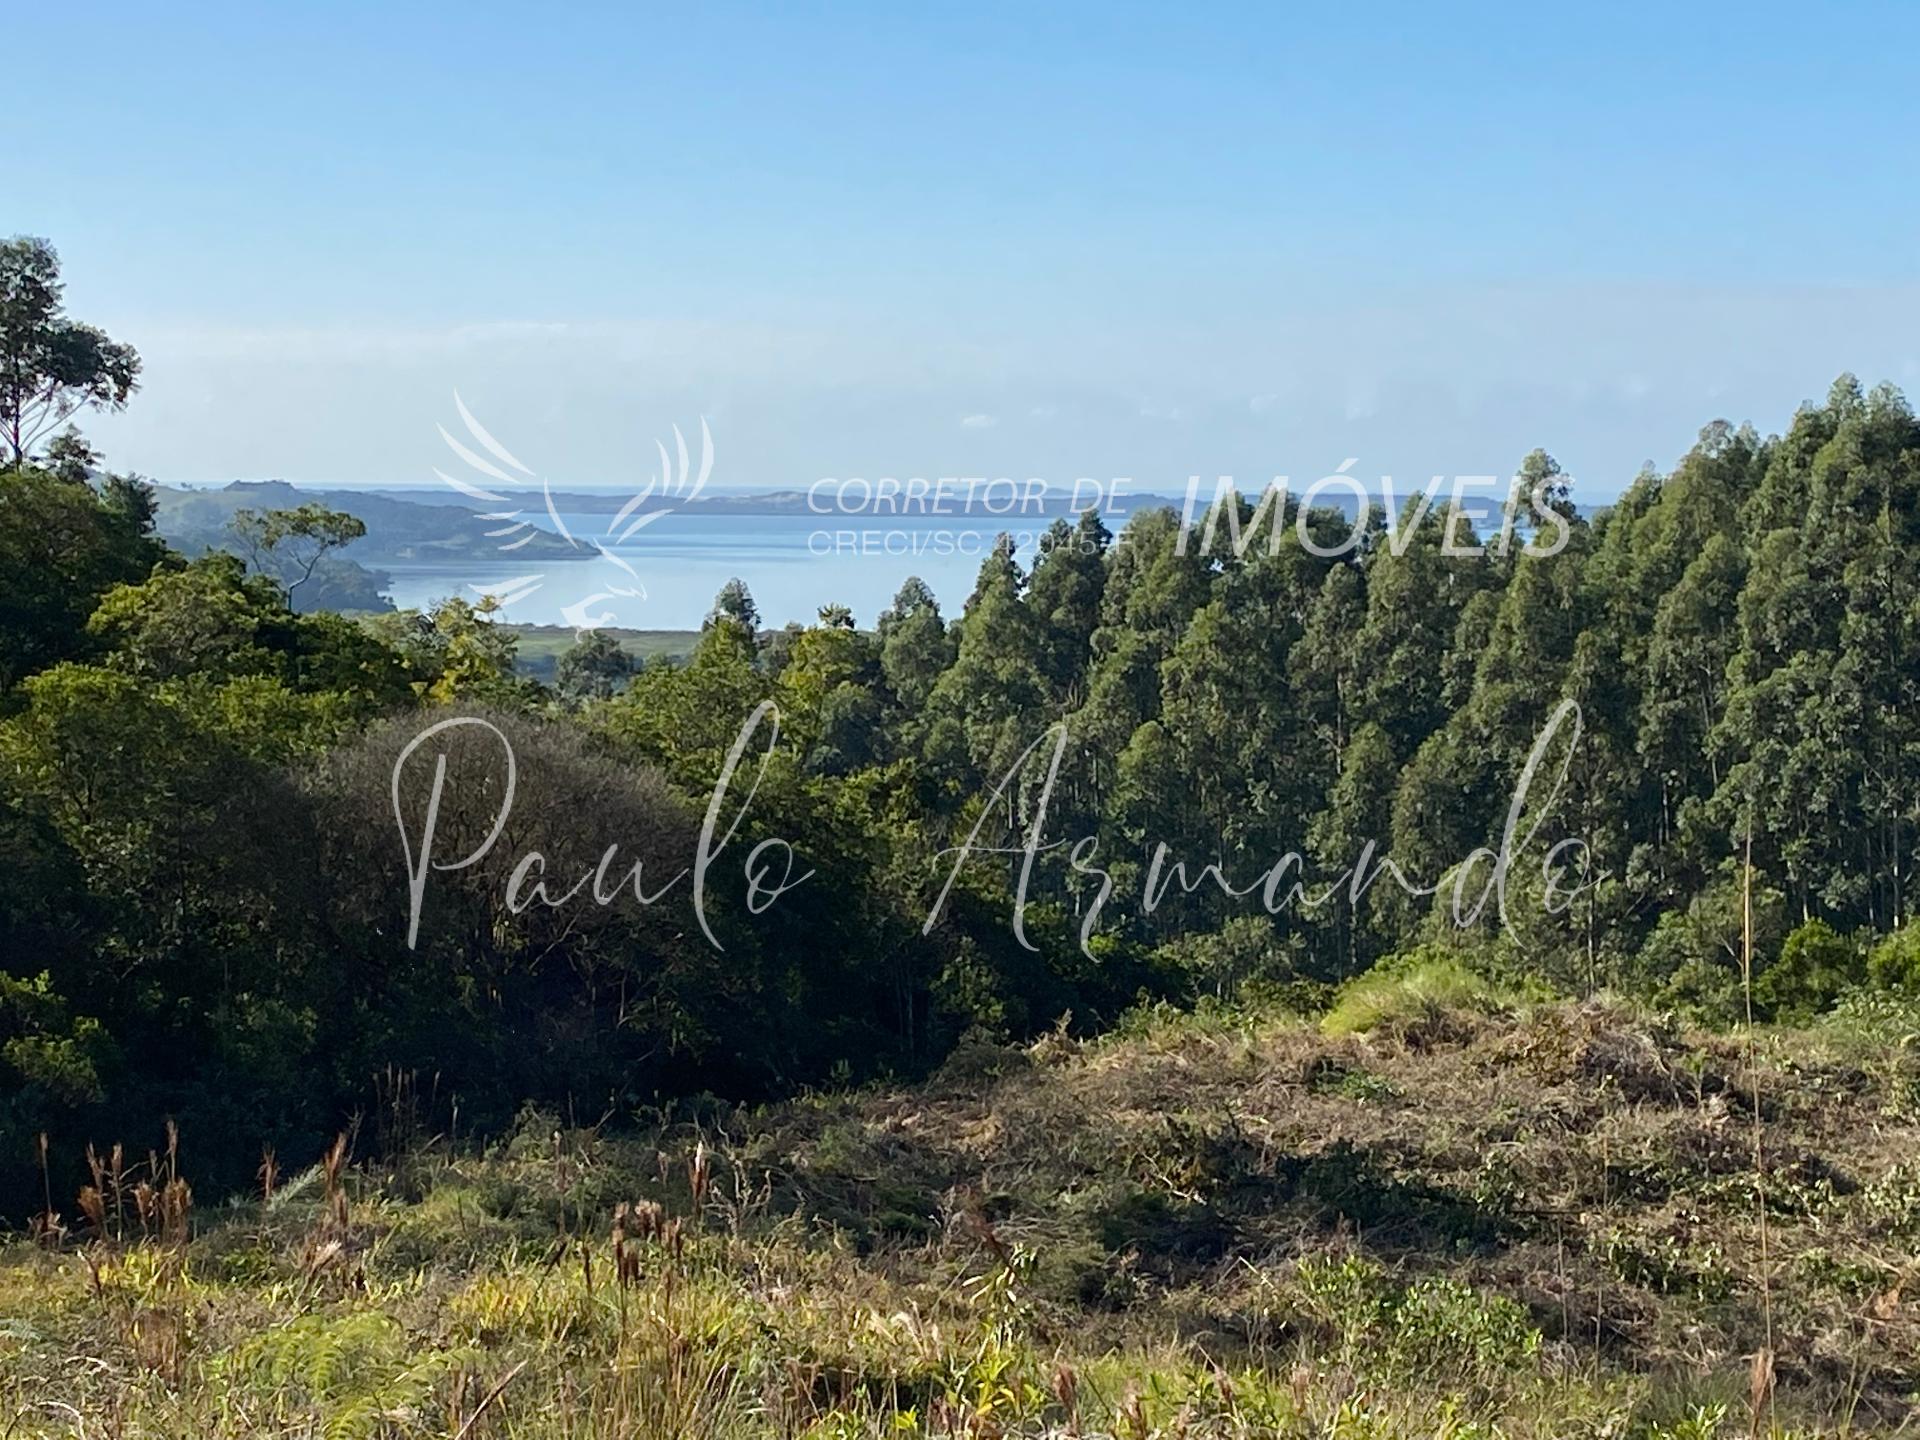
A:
(793, 564)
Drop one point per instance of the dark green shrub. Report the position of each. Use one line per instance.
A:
(1816, 966)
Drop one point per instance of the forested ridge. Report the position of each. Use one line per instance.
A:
(203, 896)
(1353, 977)
(1134, 770)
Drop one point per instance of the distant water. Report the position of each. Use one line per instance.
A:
(794, 563)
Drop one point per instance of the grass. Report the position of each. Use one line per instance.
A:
(541, 646)
(1509, 1221)
(1433, 991)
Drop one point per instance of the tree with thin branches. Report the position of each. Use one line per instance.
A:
(50, 366)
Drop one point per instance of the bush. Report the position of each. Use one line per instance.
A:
(1707, 992)
(1895, 962)
(1816, 967)
(1397, 1334)
(1244, 952)
(1874, 1025)
(1420, 987)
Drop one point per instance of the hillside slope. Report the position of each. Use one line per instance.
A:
(397, 529)
(1542, 1223)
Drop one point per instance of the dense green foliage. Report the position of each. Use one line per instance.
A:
(204, 900)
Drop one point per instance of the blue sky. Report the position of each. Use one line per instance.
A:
(864, 240)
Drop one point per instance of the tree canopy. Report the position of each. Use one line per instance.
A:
(1056, 803)
(50, 366)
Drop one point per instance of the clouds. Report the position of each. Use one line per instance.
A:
(1460, 382)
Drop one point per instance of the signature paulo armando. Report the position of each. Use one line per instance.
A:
(768, 869)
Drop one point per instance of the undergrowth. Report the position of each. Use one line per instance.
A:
(1444, 1214)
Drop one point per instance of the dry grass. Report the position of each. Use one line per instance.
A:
(1453, 1225)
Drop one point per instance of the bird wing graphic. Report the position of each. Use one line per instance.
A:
(497, 478)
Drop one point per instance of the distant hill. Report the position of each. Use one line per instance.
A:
(397, 529)
(398, 532)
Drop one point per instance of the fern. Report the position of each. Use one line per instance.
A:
(361, 1373)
